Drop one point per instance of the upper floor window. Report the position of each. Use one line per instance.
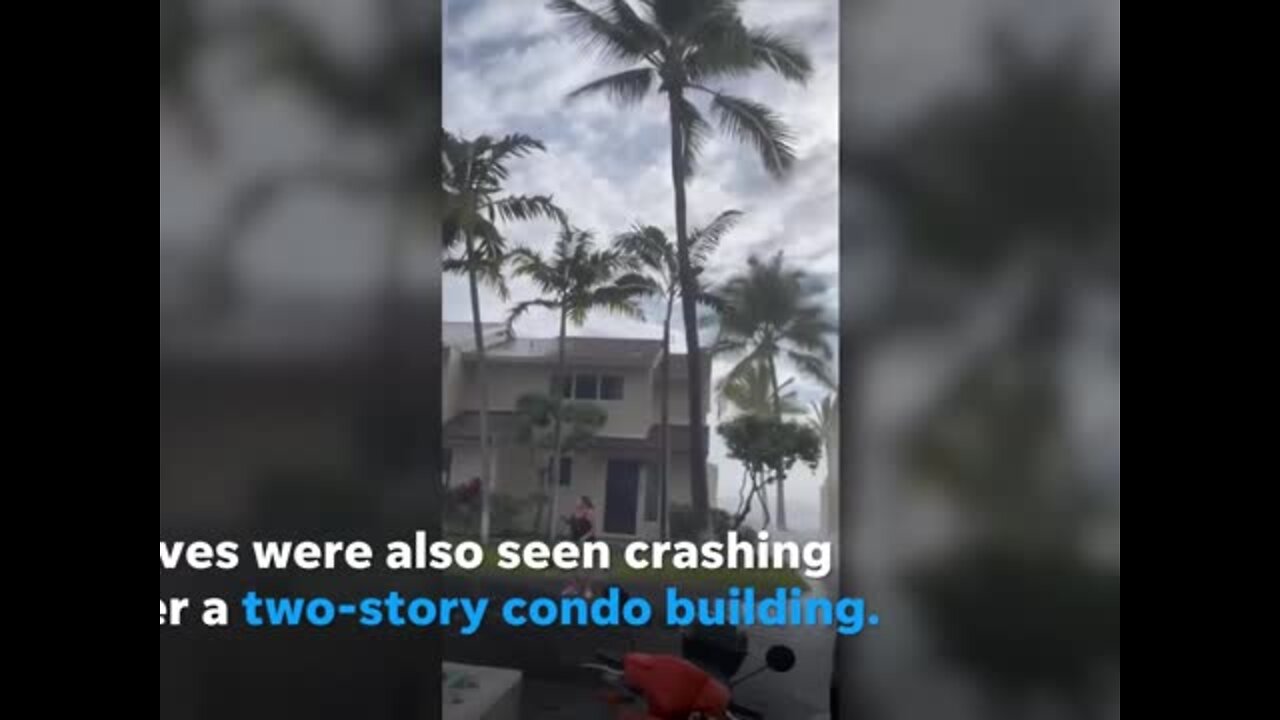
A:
(589, 386)
(610, 387)
(586, 387)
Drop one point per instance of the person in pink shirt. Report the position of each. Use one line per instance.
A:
(582, 528)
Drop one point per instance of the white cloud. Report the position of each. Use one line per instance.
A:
(508, 66)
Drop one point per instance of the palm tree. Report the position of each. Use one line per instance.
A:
(576, 279)
(825, 420)
(772, 312)
(686, 46)
(657, 257)
(473, 173)
(750, 392)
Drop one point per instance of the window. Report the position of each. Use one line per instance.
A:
(610, 387)
(586, 387)
(566, 472)
(651, 492)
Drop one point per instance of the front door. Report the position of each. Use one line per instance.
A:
(621, 497)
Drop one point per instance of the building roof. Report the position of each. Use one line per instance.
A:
(504, 426)
(462, 335)
(619, 352)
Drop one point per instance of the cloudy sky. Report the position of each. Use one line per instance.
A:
(508, 66)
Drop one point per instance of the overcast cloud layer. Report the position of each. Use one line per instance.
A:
(508, 66)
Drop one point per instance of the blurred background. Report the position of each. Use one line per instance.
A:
(299, 332)
(980, 212)
(980, 349)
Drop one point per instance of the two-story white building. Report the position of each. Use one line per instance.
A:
(617, 469)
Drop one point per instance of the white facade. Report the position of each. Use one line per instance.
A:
(618, 468)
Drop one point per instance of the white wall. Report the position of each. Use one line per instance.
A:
(451, 385)
(630, 417)
(678, 396)
(516, 476)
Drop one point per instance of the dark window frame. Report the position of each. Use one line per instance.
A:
(616, 381)
(572, 386)
(579, 392)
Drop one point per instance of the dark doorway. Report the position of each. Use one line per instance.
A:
(621, 497)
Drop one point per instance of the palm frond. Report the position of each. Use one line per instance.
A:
(757, 125)
(825, 414)
(704, 240)
(454, 265)
(530, 264)
(752, 361)
(488, 271)
(649, 245)
(489, 244)
(578, 278)
(784, 55)
(521, 308)
(640, 285)
(601, 34)
(657, 253)
(749, 388)
(722, 49)
(625, 88)
(630, 22)
(814, 366)
(450, 231)
(811, 331)
(527, 207)
(712, 302)
(515, 145)
(618, 299)
(724, 346)
(688, 19)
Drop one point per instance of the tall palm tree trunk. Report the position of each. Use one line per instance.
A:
(482, 381)
(557, 393)
(688, 300)
(781, 479)
(664, 404)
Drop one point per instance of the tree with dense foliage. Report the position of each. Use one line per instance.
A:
(768, 447)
